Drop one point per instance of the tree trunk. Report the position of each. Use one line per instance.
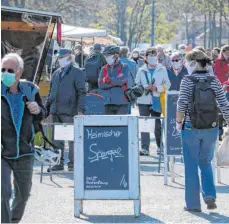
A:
(205, 29)
(220, 26)
(186, 28)
(210, 31)
(122, 8)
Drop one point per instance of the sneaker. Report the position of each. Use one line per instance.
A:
(158, 151)
(192, 209)
(59, 167)
(70, 169)
(144, 152)
(210, 203)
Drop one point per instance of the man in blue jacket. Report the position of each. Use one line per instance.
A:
(21, 110)
(66, 99)
(114, 79)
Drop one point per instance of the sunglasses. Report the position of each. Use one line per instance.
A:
(9, 70)
(176, 60)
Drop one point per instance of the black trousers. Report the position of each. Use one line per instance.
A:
(22, 170)
(145, 110)
(112, 109)
(60, 143)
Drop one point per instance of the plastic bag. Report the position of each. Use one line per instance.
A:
(223, 153)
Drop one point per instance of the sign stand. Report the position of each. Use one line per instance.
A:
(173, 145)
(106, 160)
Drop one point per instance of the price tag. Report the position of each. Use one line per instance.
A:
(64, 132)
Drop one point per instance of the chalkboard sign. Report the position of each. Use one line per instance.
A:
(94, 104)
(172, 136)
(106, 158)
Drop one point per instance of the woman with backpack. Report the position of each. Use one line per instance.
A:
(154, 78)
(197, 117)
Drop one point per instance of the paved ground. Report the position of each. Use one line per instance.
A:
(53, 202)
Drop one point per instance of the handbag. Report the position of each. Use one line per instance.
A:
(156, 102)
(223, 152)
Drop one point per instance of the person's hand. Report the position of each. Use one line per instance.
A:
(80, 113)
(153, 88)
(178, 126)
(106, 79)
(33, 107)
(225, 87)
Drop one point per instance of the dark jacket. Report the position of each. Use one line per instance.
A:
(67, 94)
(175, 80)
(16, 142)
(79, 61)
(117, 84)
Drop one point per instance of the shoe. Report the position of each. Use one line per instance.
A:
(192, 209)
(59, 167)
(220, 138)
(210, 203)
(144, 152)
(158, 151)
(70, 169)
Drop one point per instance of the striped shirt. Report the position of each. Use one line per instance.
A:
(185, 96)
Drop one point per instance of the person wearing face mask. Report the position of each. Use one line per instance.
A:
(182, 50)
(177, 71)
(113, 78)
(221, 68)
(154, 78)
(137, 58)
(215, 54)
(21, 111)
(66, 99)
(163, 59)
(197, 119)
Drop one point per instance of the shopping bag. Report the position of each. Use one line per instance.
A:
(156, 104)
(223, 153)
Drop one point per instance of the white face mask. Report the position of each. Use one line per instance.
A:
(152, 60)
(190, 68)
(64, 62)
(176, 64)
(182, 51)
(110, 60)
(135, 55)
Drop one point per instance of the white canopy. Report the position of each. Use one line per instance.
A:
(72, 32)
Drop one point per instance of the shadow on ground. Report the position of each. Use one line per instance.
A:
(119, 219)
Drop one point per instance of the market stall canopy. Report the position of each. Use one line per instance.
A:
(73, 32)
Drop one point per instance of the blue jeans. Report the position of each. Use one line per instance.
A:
(198, 151)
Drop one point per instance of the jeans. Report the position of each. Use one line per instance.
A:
(198, 151)
(60, 143)
(22, 169)
(145, 110)
(112, 109)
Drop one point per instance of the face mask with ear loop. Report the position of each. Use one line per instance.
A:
(190, 68)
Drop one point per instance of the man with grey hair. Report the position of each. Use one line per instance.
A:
(163, 59)
(22, 110)
(177, 71)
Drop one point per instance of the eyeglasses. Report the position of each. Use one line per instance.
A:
(9, 70)
(176, 60)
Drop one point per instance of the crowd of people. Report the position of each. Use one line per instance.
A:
(115, 70)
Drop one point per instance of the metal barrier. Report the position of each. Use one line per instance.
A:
(50, 133)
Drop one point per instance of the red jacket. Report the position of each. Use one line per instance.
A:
(227, 84)
(222, 69)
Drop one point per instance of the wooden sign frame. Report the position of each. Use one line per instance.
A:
(80, 193)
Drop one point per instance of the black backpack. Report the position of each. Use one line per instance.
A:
(204, 110)
(92, 69)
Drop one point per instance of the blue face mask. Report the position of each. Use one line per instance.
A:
(8, 79)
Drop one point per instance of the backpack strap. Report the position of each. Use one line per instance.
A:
(146, 76)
